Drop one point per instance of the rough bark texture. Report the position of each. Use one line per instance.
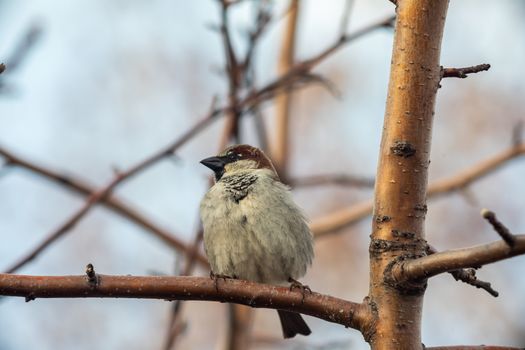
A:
(399, 206)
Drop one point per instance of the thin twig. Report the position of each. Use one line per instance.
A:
(331, 309)
(463, 72)
(23, 47)
(113, 202)
(467, 276)
(345, 19)
(504, 232)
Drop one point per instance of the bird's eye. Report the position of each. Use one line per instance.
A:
(232, 156)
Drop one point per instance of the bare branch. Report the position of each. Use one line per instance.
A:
(256, 295)
(468, 276)
(345, 19)
(345, 38)
(463, 72)
(353, 214)
(113, 202)
(280, 145)
(499, 227)
(23, 47)
(473, 257)
(175, 323)
(332, 179)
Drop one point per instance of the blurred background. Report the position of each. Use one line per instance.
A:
(99, 85)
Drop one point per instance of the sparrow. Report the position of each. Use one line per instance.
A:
(253, 230)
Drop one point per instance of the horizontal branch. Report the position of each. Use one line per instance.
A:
(445, 261)
(332, 179)
(463, 72)
(328, 308)
(353, 214)
(468, 276)
(111, 202)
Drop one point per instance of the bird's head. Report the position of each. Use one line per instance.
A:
(238, 158)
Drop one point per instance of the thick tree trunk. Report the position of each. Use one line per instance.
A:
(399, 207)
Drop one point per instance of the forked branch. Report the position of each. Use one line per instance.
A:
(468, 276)
(445, 261)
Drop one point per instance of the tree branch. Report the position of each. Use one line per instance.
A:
(473, 257)
(467, 276)
(347, 216)
(280, 145)
(331, 179)
(463, 72)
(113, 203)
(256, 295)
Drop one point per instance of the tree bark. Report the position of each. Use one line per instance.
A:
(400, 192)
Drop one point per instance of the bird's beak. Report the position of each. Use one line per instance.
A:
(214, 163)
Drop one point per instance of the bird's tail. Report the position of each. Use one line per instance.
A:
(293, 324)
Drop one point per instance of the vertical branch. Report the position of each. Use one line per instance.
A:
(280, 145)
(402, 171)
(239, 329)
(235, 73)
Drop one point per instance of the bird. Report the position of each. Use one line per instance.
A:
(253, 229)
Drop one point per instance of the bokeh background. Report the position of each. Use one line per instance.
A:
(106, 83)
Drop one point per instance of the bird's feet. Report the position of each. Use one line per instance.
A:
(215, 277)
(296, 284)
